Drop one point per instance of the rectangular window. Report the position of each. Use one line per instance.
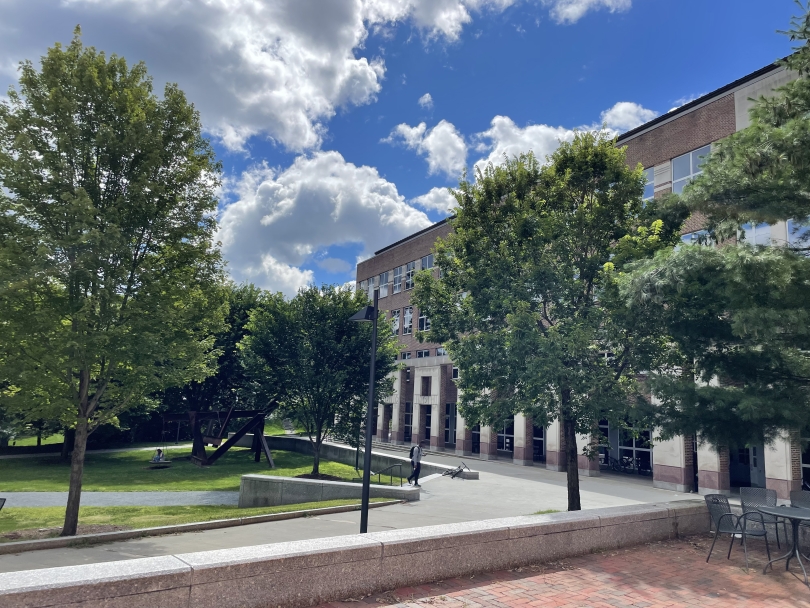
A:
(427, 262)
(371, 287)
(407, 323)
(383, 283)
(649, 187)
(397, 279)
(699, 237)
(425, 386)
(538, 443)
(421, 354)
(441, 352)
(450, 411)
(405, 356)
(759, 234)
(410, 270)
(455, 372)
(424, 322)
(687, 167)
(364, 286)
(408, 421)
(798, 233)
(395, 321)
(506, 437)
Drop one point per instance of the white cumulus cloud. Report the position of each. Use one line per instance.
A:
(571, 11)
(426, 101)
(437, 199)
(443, 146)
(281, 220)
(627, 115)
(505, 138)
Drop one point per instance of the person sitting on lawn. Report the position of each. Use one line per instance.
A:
(158, 457)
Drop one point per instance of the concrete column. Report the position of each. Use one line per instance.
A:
(587, 467)
(713, 475)
(524, 440)
(489, 443)
(783, 465)
(555, 458)
(397, 411)
(382, 427)
(670, 459)
(417, 423)
(463, 437)
(437, 426)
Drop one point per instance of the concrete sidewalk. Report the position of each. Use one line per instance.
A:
(509, 492)
(121, 499)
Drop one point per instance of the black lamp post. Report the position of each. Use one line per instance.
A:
(369, 313)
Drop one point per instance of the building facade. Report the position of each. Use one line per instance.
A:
(422, 410)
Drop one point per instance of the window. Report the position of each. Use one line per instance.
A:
(421, 354)
(649, 188)
(424, 322)
(441, 352)
(450, 423)
(364, 286)
(425, 386)
(798, 233)
(407, 325)
(371, 288)
(538, 443)
(383, 283)
(687, 167)
(699, 237)
(635, 453)
(455, 372)
(427, 262)
(506, 437)
(805, 447)
(410, 270)
(407, 369)
(408, 421)
(756, 235)
(397, 279)
(404, 356)
(395, 321)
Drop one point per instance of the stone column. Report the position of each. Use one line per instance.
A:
(398, 412)
(417, 423)
(713, 474)
(783, 465)
(463, 437)
(555, 447)
(524, 441)
(437, 426)
(489, 443)
(588, 467)
(672, 464)
(382, 427)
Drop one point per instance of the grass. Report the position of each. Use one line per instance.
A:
(29, 441)
(545, 512)
(128, 472)
(16, 519)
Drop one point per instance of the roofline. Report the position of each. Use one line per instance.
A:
(414, 235)
(703, 99)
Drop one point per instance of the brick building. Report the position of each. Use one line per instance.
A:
(423, 409)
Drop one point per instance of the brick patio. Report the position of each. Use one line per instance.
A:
(673, 573)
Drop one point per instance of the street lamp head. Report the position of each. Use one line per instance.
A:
(364, 314)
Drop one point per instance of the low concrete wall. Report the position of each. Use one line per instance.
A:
(305, 573)
(341, 453)
(270, 490)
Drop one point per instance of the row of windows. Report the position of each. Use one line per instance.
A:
(423, 323)
(401, 276)
(685, 168)
(426, 352)
(798, 234)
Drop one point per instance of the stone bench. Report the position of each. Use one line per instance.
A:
(270, 490)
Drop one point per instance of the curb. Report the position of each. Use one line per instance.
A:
(106, 537)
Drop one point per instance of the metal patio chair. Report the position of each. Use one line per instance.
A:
(801, 498)
(751, 498)
(725, 522)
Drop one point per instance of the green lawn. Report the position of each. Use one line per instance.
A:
(27, 518)
(28, 441)
(128, 472)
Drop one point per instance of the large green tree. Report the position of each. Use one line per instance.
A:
(309, 356)
(110, 282)
(524, 304)
(734, 316)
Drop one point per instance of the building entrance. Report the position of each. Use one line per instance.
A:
(746, 467)
(506, 437)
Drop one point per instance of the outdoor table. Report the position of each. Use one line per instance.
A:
(796, 515)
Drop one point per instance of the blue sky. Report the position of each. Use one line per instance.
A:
(314, 105)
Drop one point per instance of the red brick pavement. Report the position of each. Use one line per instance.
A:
(672, 573)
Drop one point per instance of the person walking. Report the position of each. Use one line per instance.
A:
(416, 464)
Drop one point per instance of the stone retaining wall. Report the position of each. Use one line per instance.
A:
(270, 490)
(305, 573)
(341, 453)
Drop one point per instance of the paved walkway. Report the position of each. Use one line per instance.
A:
(517, 491)
(121, 499)
(653, 576)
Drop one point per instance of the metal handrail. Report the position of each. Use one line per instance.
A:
(379, 474)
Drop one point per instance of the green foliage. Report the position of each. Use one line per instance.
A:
(525, 302)
(110, 281)
(306, 354)
(762, 173)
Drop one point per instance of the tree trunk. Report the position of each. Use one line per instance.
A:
(70, 437)
(39, 437)
(572, 464)
(76, 471)
(316, 462)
